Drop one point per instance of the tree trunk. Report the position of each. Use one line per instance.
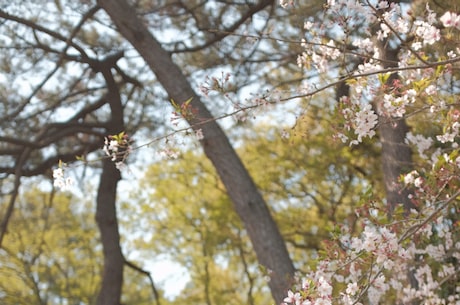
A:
(106, 212)
(396, 154)
(264, 234)
(112, 277)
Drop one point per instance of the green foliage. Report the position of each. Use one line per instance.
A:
(191, 220)
(311, 182)
(50, 253)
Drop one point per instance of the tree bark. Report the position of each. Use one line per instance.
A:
(266, 239)
(112, 277)
(396, 153)
(106, 212)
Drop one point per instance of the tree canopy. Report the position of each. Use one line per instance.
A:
(251, 142)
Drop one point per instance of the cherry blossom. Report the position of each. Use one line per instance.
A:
(365, 122)
(450, 19)
(387, 257)
(60, 181)
(118, 148)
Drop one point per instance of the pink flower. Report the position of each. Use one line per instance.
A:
(450, 19)
(292, 298)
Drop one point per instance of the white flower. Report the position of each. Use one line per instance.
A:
(451, 54)
(385, 30)
(420, 142)
(324, 288)
(60, 181)
(427, 32)
(58, 173)
(418, 182)
(292, 298)
(410, 177)
(431, 90)
(417, 45)
(365, 121)
(286, 3)
(199, 134)
(450, 19)
(169, 153)
(449, 136)
(352, 288)
(402, 26)
(383, 5)
(308, 25)
(364, 44)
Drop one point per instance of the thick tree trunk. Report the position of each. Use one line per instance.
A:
(106, 217)
(396, 154)
(396, 160)
(106, 212)
(264, 234)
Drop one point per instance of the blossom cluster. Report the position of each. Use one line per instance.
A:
(325, 49)
(414, 256)
(361, 118)
(60, 180)
(382, 262)
(314, 291)
(450, 19)
(118, 147)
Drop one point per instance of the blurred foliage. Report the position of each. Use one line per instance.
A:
(51, 252)
(311, 182)
(180, 209)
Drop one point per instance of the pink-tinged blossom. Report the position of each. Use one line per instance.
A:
(401, 26)
(169, 153)
(451, 54)
(382, 5)
(395, 106)
(428, 33)
(410, 177)
(365, 122)
(378, 259)
(118, 148)
(377, 289)
(450, 19)
(420, 142)
(383, 32)
(418, 182)
(431, 15)
(450, 134)
(364, 44)
(324, 288)
(370, 66)
(293, 298)
(330, 50)
(352, 288)
(371, 239)
(321, 62)
(431, 90)
(406, 253)
(323, 301)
